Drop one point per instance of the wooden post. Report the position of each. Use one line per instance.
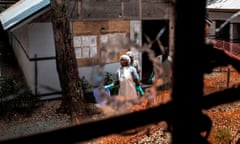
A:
(187, 89)
(140, 9)
(171, 27)
(228, 76)
(36, 75)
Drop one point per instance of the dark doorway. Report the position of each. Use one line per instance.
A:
(223, 34)
(151, 28)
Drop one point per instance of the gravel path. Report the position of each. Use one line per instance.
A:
(31, 128)
(44, 118)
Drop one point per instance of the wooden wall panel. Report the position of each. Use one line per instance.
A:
(98, 28)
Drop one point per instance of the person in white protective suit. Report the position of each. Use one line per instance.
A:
(134, 62)
(127, 79)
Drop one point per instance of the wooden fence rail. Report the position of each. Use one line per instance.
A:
(231, 49)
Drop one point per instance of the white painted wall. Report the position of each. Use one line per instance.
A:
(19, 42)
(41, 43)
(37, 38)
(136, 36)
(41, 40)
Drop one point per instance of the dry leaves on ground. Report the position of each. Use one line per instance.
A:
(224, 117)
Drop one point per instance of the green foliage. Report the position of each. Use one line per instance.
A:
(15, 97)
(223, 135)
(25, 102)
(87, 90)
(9, 86)
(85, 84)
(108, 79)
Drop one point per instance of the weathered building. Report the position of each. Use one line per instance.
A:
(93, 22)
(226, 20)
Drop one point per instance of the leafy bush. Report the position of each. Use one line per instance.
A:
(88, 88)
(108, 78)
(25, 102)
(223, 135)
(9, 86)
(85, 84)
(15, 97)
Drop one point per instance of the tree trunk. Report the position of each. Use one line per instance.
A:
(73, 101)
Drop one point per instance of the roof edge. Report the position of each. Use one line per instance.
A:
(20, 12)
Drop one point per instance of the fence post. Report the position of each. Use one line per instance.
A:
(36, 75)
(228, 76)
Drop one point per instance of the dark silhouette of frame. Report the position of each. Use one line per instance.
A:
(191, 60)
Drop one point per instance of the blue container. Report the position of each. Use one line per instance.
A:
(101, 95)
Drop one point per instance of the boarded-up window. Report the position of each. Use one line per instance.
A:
(94, 41)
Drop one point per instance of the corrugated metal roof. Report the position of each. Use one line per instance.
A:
(21, 10)
(225, 4)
